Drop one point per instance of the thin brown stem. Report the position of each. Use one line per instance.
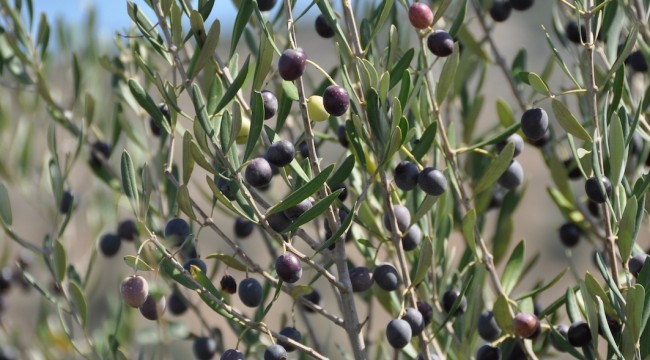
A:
(348, 307)
(498, 58)
(592, 101)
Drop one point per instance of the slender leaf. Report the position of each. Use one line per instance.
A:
(208, 48)
(496, 168)
(243, 16)
(137, 263)
(5, 206)
(513, 269)
(150, 106)
(425, 259)
(79, 302)
(257, 122)
(302, 192)
(128, 181)
(229, 261)
(447, 75)
(316, 210)
(627, 228)
(235, 86)
(568, 121)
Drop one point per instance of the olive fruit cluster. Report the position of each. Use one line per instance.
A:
(135, 293)
(501, 9)
(110, 243)
(431, 180)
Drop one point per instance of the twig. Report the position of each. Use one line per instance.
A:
(347, 297)
(450, 156)
(592, 101)
(247, 322)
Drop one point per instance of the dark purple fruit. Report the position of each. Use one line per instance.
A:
(361, 279)
(228, 284)
(280, 153)
(342, 136)
(517, 352)
(440, 43)
(521, 4)
(258, 172)
(636, 262)
(270, 103)
(152, 308)
(637, 61)
(295, 211)
(432, 181)
(420, 15)
(615, 326)
(636, 144)
(336, 100)
(573, 171)
(427, 312)
(109, 244)
(227, 187)
(6, 278)
(406, 174)
(534, 123)
(575, 34)
(516, 140)
(278, 221)
(487, 326)
(415, 320)
(546, 138)
(488, 352)
(323, 28)
(563, 329)
(500, 10)
(292, 64)
(8, 353)
(398, 333)
(266, 5)
(344, 194)
(275, 352)
(448, 300)
(232, 354)
(313, 297)
(196, 262)
(513, 176)
(288, 267)
(579, 334)
(526, 325)
(134, 290)
(594, 192)
(204, 348)
(386, 277)
(402, 215)
(177, 230)
(343, 214)
(176, 303)
(569, 234)
(153, 126)
(243, 227)
(412, 238)
(304, 151)
(127, 230)
(67, 201)
(594, 208)
(293, 334)
(99, 153)
(250, 292)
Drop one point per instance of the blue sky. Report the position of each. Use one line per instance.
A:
(111, 14)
